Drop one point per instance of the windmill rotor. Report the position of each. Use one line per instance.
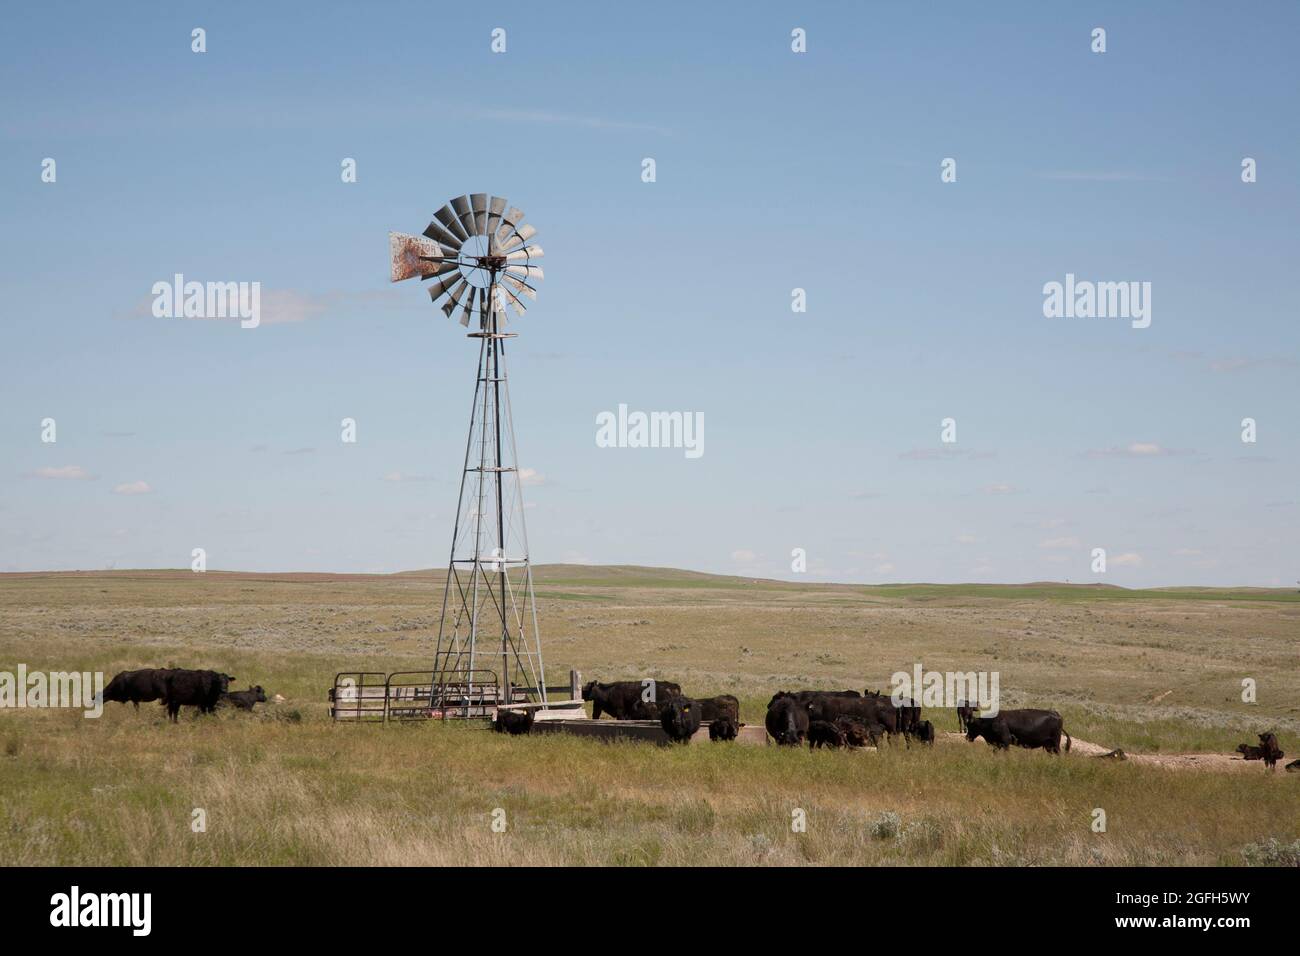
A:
(476, 243)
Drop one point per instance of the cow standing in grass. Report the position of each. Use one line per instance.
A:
(137, 686)
(201, 689)
(1027, 728)
(680, 718)
(629, 699)
(786, 721)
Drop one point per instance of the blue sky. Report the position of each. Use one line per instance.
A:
(775, 170)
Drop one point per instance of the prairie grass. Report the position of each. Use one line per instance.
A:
(287, 786)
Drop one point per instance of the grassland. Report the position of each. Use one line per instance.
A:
(1149, 671)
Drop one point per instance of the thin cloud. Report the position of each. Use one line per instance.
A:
(64, 473)
(1059, 543)
(1001, 488)
(547, 118)
(132, 488)
(1138, 449)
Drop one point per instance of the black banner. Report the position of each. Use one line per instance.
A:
(296, 906)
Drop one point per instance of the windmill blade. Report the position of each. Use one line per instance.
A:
(447, 217)
(512, 299)
(442, 285)
(410, 255)
(463, 213)
(520, 238)
(511, 220)
(478, 202)
(454, 299)
(460, 297)
(495, 208)
(442, 235)
(528, 272)
(469, 307)
(527, 252)
(437, 266)
(522, 288)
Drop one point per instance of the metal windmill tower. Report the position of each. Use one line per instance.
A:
(489, 649)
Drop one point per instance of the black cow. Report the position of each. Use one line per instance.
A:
(680, 718)
(201, 689)
(724, 705)
(806, 697)
(858, 732)
(872, 710)
(908, 711)
(924, 732)
(622, 699)
(136, 686)
(513, 722)
(1293, 767)
(786, 721)
(1272, 752)
(1250, 753)
(824, 734)
(1027, 728)
(723, 728)
(245, 699)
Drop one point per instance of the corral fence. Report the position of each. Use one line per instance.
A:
(374, 696)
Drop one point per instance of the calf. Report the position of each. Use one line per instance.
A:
(724, 705)
(623, 699)
(924, 732)
(136, 686)
(723, 728)
(1293, 767)
(786, 721)
(201, 689)
(824, 734)
(245, 699)
(965, 711)
(872, 710)
(680, 718)
(1027, 728)
(513, 722)
(1250, 753)
(1272, 752)
(858, 732)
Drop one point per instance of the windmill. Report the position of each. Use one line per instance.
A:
(480, 257)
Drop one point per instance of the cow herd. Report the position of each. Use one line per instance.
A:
(177, 688)
(821, 718)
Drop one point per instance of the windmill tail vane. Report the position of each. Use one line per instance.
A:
(479, 253)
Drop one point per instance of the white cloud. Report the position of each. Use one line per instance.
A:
(65, 473)
(1059, 543)
(743, 556)
(1001, 488)
(132, 488)
(529, 476)
(1129, 559)
(1138, 449)
(967, 539)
